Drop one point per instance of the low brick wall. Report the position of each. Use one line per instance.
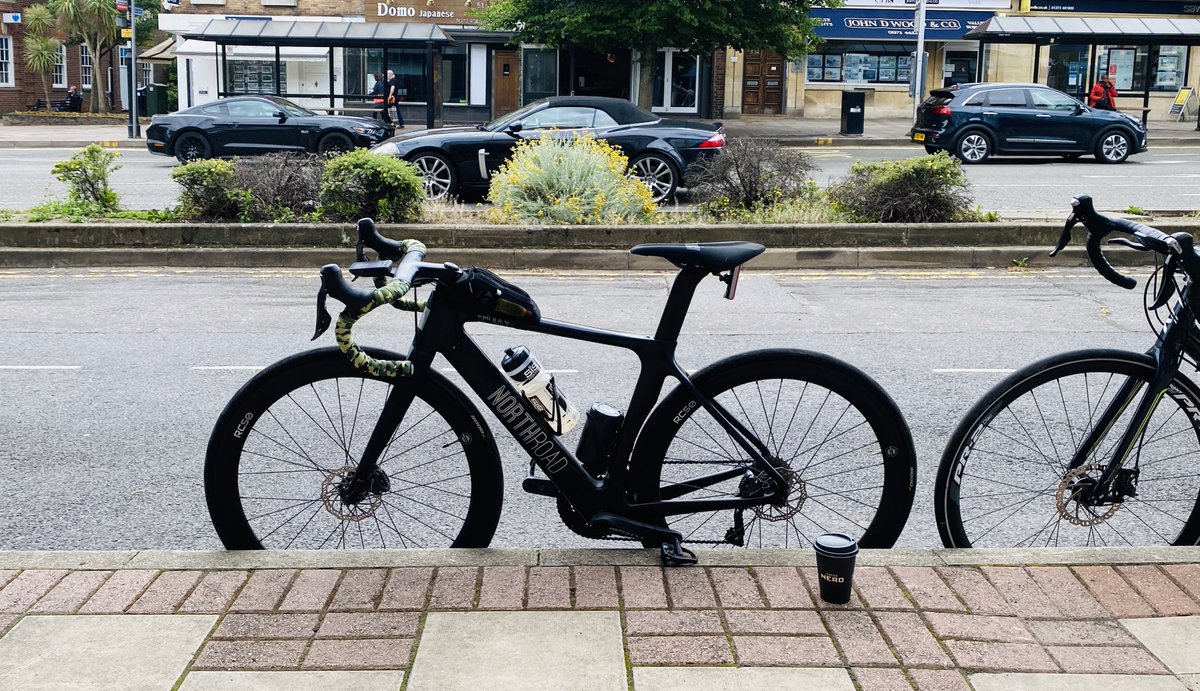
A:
(66, 119)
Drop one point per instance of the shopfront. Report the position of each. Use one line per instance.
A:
(1148, 48)
(867, 46)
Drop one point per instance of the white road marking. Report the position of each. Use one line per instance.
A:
(40, 367)
(218, 368)
(973, 371)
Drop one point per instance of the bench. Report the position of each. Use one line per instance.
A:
(40, 104)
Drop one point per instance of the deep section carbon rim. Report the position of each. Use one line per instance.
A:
(1007, 480)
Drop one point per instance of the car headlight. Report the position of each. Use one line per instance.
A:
(364, 130)
(388, 148)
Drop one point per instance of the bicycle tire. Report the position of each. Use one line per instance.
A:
(1022, 446)
(277, 452)
(855, 419)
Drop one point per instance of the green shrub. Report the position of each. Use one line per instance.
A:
(557, 179)
(359, 183)
(87, 174)
(74, 211)
(924, 189)
(210, 190)
(750, 174)
(279, 187)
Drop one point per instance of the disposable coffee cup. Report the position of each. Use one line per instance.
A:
(835, 566)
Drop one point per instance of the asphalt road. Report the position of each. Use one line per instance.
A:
(112, 379)
(1015, 187)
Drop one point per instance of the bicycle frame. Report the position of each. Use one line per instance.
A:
(440, 331)
(1167, 352)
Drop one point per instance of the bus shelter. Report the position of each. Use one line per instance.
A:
(270, 33)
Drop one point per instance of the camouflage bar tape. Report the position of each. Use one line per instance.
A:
(393, 292)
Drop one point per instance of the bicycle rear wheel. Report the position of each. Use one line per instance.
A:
(834, 434)
(281, 452)
(1005, 481)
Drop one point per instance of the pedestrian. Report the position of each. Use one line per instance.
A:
(1104, 94)
(393, 97)
(379, 97)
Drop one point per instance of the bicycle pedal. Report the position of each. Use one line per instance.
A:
(675, 554)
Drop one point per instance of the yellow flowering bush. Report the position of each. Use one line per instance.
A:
(568, 180)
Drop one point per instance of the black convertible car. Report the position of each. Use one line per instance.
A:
(460, 160)
(245, 125)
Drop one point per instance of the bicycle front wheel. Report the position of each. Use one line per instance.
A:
(836, 437)
(1006, 480)
(279, 461)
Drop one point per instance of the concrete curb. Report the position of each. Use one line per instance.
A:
(106, 143)
(775, 259)
(179, 560)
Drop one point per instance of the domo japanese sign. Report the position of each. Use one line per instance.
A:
(422, 11)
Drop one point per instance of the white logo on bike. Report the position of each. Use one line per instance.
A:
(526, 429)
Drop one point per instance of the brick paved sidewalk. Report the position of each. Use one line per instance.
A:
(600, 626)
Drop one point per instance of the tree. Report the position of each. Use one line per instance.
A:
(94, 23)
(41, 49)
(697, 26)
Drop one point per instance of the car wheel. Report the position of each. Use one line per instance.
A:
(658, 173)
(974, 147)
(437, 175)
(192, 147)
(334, 143)
(1113, 147)
(931, 150)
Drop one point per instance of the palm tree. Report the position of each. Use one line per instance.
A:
(41, 49)
(94, 22)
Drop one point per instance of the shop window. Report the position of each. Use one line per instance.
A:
(409, 66)
(1068, 69)
(59, 78)
(861, 63)
(1127, 65)
(454, 74)
(254, 76)
(682, 70)
(539, 73)
(85, 67)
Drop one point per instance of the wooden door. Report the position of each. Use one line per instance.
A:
(505, 82)
(762, 83)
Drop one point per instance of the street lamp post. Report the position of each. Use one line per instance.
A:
(919, 60)
(135, 127)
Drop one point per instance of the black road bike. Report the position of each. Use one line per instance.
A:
(1091, 447)
(361, 447)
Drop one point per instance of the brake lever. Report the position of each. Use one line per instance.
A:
(1167, 288)
(323, 318)
(1065, 238)
(1130, 243)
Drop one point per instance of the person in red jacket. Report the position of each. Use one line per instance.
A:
(1104, 94)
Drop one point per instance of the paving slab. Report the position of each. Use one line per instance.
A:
(1191, 681)
(476, 651)
(1174, 640)
(739, 678)
(1074, 682)
(292, 681)
(98, 652)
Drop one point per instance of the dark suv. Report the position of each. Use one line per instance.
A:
(975, 121)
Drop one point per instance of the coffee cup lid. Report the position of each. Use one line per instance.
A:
(836, 544)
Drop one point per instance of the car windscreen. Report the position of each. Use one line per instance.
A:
(505, 120)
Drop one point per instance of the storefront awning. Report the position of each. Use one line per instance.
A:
(272, 32)
(1125, 31)
(161, 53)
(192, 48)
(859, 25)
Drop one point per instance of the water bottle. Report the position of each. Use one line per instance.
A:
(540, 389)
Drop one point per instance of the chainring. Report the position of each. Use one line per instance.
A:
(571, 518)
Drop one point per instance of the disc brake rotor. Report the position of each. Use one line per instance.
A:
(331, 497)
(796, 495)
(1074, 484)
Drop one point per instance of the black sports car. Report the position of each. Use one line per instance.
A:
(245, 125)
(460, 160)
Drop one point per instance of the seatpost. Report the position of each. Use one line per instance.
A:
(678, 301)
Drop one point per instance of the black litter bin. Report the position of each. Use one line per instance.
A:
(854, 106)
(156, 99)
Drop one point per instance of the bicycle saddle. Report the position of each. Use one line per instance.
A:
(710, 256)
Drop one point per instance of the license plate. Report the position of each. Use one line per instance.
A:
(919, 137)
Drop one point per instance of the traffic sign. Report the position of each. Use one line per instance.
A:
(137, 11)
(126, 33)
